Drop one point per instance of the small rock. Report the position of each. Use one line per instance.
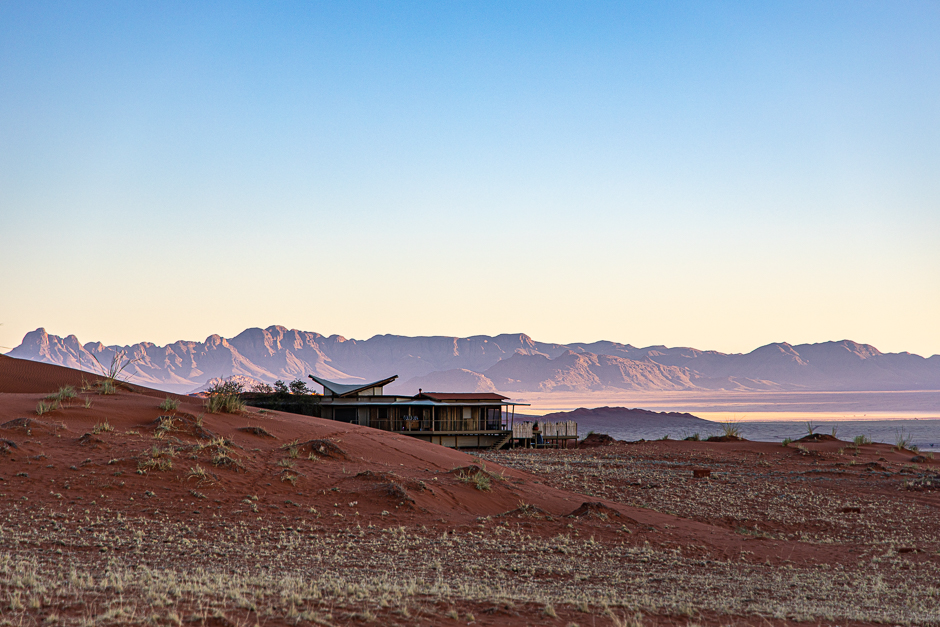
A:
(918, 459)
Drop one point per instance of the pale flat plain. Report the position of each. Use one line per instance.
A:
(762, 416)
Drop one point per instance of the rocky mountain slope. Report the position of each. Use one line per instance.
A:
(509, 362)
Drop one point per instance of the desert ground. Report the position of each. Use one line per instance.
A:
(138, 507)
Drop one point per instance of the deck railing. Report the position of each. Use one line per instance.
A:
(562, 428)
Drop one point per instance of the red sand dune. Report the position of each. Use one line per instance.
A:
(101, 455)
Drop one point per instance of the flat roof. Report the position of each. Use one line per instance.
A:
(462, 396)
(393, 401)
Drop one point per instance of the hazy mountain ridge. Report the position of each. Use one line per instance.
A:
(508, 362)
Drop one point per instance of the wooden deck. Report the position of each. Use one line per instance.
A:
(461, 439)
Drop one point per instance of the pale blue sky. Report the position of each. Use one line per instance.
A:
(721, 175)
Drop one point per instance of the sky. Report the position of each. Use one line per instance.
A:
(713, 174)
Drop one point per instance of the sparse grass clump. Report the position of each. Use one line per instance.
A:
(169, 404)
(480, 479)
(787, 441)
(164, 426)
(859, 440)
(225, 404)
(42, 407)
(156, 459)
(102, 427)
(200, 474)
(222, 458)
(119, 363)
(64, 393)
(730, 430)
(161, 463)
(904, 442)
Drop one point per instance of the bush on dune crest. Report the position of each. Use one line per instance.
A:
(224, 398)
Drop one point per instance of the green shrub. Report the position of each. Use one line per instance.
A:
(224, 398)
(169, 404)
(298, 386)
(859, 440)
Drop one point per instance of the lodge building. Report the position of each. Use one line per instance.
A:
(455, 420)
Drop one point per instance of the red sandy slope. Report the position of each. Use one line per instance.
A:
(60, 462)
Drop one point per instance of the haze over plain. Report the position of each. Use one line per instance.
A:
(720, 176)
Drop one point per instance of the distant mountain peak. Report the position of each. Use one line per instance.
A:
(507, 362)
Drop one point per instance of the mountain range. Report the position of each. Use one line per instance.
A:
(507, 363)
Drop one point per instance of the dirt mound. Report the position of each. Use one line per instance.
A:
(595, 509)
(471, 469)
(397, 492)
(392, 485)
(89, 439)
(725, 438)
(28, 425)
(596, 439)
(819, 437)
(527, 511)
(323, 448)
(258, 431)
(924, 482)
(181, 424)
(378, 476)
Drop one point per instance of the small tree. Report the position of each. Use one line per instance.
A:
(298, 386)
(225, 388)
(280, 387)
(262, 388)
